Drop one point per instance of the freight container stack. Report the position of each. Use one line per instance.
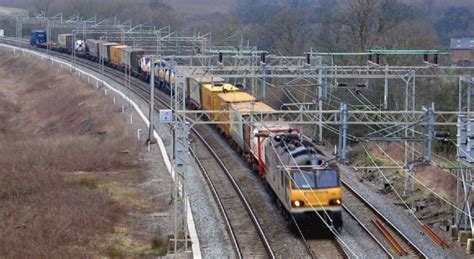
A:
(93, 46)
(116, 55)
(104, 51)
(224, 103)
(195, 85)
(131, 58)
(239, 112)
(38, 38)
(65, 43)
(209, 94)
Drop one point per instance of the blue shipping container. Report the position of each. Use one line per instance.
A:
(38, 38)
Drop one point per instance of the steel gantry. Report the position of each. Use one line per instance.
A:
(465, 154)
(409, 125)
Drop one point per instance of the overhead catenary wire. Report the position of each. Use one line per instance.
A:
(389, 183)
(419, 181)
(422, 184)
(419, 152)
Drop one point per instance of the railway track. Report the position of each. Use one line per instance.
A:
(326, 248)
(244, 228)
(245, 231)
(385, 233)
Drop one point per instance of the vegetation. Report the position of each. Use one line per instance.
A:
(49, 138)
(290, 26)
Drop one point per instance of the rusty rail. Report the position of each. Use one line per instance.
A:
(435, 237)
(390, 238)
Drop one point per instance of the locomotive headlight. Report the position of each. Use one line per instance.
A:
(335, 202)
(298, 204)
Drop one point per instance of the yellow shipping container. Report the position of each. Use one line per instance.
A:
(116, 54)
(209, 95)
(224, 100)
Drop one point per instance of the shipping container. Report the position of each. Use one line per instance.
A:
(38, 38)
(194, 88)
(93, 46)
(209, 94)
(240, 112)
(131, 57)
(2, 33)
(257, 140)
(104, 50)
(65, 41)
(116, 54)
(224, 102)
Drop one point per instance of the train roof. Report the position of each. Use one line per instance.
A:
(133, 49)
(274, 127)
(94, 40)
(106, 43)
(248, 107)
(220, 87)
(236, 97)
(120, 46)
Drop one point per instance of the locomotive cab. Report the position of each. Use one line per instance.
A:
(315, 194)
(308, 187)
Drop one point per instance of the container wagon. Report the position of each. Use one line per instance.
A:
(38, 38)
(65, 43)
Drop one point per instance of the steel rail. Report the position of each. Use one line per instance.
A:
(249, 209)
(385, 219)
(366, 230)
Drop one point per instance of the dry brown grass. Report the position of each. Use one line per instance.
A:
(432, 176)
(51, 125)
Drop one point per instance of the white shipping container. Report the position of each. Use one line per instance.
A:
(2, 33)
(104, 49)
(194, 90)
(65, 41)
(94, 47)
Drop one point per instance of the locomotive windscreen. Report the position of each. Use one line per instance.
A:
(315, 179)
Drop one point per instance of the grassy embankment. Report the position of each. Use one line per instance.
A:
(62, 147)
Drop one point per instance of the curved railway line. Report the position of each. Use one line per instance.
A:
(228, 183)
(245, 231)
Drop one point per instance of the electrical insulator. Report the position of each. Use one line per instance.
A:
(308, 59)
(370, 58)
(435, 59)
(377, 59)
(263, 58)
(425, 57)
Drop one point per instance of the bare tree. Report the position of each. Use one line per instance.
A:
(288, 30)
(42, 5)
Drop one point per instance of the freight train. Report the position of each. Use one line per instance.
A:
(305, 185)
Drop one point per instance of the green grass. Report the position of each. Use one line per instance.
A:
(363, 159)
(87, 183)
(159, 246)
